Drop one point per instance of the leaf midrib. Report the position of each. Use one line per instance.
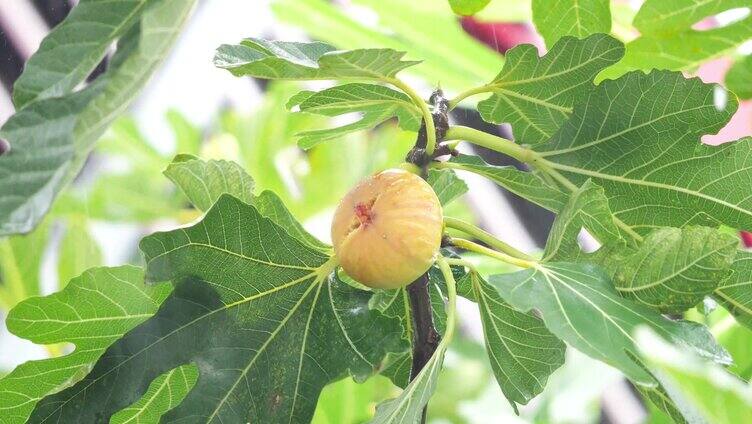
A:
(620, 179)
(622, 132)
(229, 252)
(541, 102)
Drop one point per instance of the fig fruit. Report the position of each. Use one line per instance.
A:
(387, 230)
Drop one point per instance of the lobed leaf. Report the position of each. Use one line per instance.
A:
(450, 56)
(92, 312)
(271, 206)
(257, 311)
(536, 94)
(671, 270)
(205, 181)
(669, 41)
(52, 136)
(307, 61)
(521, 351)
(579, 305)
(555, 19)
(377, 104)
(639, 138)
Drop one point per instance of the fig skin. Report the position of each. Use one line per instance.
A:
(387, 230)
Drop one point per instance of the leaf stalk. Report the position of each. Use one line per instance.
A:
(427, 116)
(462, 262)
(485, 237)
(489, 141)
(322, 272)
(468, 93)
(451, 310)
(483, 250)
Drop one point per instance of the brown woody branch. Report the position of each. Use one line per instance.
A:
(425, 337)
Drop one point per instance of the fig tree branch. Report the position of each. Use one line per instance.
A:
(425, 337)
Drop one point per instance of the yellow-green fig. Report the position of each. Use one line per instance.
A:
(387, 230)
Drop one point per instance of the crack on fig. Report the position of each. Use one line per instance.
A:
(364, 213)
(354, 226)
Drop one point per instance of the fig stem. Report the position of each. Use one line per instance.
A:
(477, 248)
(467, 93)
(410, 167)
(451, 308)
(489, 141)
(462, 262)
(423, 106)
(485, 237)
